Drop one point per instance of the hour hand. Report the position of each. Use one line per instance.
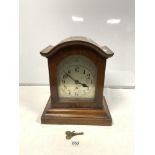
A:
(83, 84)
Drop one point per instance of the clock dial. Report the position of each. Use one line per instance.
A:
(76, 78)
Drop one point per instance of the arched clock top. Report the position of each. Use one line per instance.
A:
(104, 51)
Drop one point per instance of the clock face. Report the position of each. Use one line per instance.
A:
(76, 78)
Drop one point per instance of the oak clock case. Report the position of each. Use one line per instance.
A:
(76, 75)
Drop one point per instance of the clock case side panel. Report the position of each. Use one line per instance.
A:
(100, 64)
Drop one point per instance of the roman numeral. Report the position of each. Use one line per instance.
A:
(77, 69)
(63, 81)
(76, 94)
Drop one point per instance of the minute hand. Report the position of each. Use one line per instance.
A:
(70, 77)
(76, 81)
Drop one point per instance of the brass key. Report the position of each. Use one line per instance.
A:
(70, 134)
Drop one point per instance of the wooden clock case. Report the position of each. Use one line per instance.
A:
(59, 111)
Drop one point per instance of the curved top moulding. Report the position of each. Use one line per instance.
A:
(104, 51)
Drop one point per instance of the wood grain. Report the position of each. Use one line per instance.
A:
(85, 116)
(63, 111)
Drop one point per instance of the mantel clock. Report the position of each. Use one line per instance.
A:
(76, 75)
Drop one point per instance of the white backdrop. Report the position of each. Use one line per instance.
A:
(44, 22)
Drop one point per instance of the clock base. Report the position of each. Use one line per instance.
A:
(78, 116)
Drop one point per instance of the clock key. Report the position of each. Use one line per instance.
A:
(70, 134)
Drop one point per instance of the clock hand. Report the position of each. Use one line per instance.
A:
(70, 77)
(83, 84)
(76, 81)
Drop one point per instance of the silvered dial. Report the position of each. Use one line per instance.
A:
(76, 78)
